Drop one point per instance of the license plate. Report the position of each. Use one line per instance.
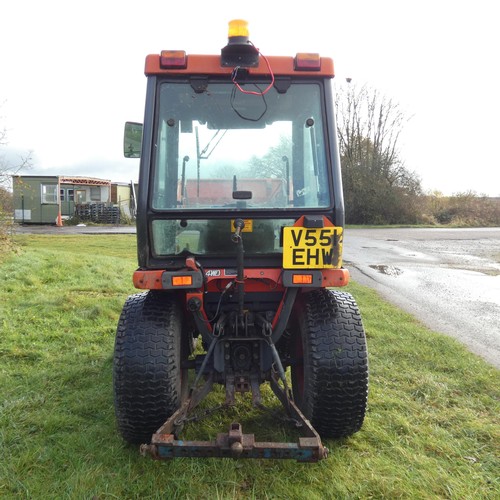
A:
(312, 248)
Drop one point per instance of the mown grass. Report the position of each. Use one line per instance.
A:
(432, 428)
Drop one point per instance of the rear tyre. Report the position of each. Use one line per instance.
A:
(330, 373)
(149, 384)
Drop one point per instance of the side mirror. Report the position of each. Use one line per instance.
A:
(132, 140)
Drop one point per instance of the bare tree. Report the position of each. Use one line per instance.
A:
(7, 170)
(376, 182)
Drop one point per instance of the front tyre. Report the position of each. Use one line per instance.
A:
(330, 372)
(148, 380)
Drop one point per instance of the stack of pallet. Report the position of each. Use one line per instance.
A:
(101, 213)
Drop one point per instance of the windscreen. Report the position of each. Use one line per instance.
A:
(218, 148)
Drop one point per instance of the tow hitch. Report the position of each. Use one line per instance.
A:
(234, 443)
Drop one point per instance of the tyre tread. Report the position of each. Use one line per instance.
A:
(337, 388)
(146, 365)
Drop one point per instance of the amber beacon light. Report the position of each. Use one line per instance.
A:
(239, 51)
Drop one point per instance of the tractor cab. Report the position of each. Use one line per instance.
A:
(239, 135)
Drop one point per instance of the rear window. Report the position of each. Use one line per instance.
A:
(210, 144)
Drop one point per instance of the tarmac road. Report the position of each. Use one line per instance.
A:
(448, 278)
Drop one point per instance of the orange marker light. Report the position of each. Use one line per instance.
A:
(182, 280)
(302, 279)
(173, 59)
(307, 62)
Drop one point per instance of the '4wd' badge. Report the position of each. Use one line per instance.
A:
(212, 273)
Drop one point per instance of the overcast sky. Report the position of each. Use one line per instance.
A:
(71, 73)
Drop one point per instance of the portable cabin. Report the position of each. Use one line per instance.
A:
(40, 199)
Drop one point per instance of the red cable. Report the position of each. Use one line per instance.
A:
(252, 92)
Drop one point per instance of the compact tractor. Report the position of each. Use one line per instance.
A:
(239, 232)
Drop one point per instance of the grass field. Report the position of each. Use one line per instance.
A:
(432, 429)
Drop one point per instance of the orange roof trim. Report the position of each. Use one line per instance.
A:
(210, 65)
